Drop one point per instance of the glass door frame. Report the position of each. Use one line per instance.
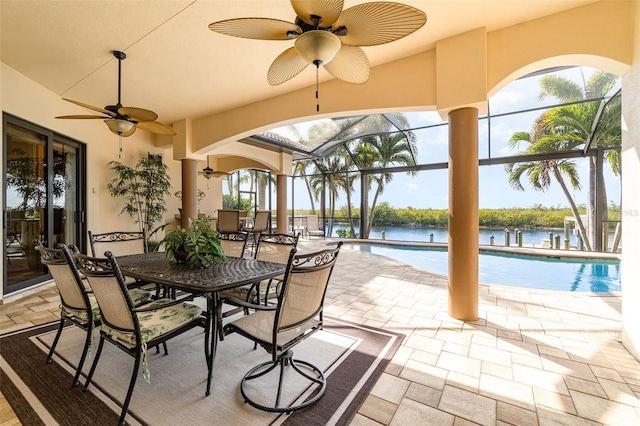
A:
(78, 218)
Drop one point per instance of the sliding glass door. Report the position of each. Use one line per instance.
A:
(43, 198)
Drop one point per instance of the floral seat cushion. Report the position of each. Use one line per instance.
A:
(157, 322)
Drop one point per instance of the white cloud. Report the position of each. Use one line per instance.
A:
(505, 98)
(412, 188)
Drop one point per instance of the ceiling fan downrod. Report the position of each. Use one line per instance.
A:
(120, 56)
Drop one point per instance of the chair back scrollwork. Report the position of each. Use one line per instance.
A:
(118, 243)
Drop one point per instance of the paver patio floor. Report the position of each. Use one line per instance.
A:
(532, 358)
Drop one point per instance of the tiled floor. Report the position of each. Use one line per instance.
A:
(532, 358)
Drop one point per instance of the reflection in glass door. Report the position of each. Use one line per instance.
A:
(25, 203)
(42, 199)
(65, 196)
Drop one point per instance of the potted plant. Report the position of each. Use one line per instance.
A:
(196, 246)
(144, 189)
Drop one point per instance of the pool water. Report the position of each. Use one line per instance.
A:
(506, 269)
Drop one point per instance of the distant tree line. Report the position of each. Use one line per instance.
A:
(521, 217)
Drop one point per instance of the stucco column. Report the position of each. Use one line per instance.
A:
(281, 204)
(463, 214)
(189, 190)
(630, 214)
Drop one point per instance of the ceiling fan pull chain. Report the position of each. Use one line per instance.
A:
(317, 99)
(120, 153)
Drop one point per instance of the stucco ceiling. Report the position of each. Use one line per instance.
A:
(180, 69)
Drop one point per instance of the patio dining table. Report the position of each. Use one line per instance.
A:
(220, 275)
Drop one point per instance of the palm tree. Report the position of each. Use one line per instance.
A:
(366, 156)
(383, 150)
(386, 149)
(348, 185)
(330, 168)
(575, 124)
(540, 172)
(229, 180)
(300, 168)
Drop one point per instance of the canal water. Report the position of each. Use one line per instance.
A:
(530, 238)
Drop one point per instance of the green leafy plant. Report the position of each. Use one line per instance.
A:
(25, 175)
(346, 233)
(144, 189)
(196, 246)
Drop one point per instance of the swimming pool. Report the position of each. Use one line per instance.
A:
(507, 269)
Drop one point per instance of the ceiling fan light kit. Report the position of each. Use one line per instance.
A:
(317, 47)
(207, 172)
(119, 127)
(327, 35)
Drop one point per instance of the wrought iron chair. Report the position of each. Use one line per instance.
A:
(119, 243)
(228, 221)
(14, 226)
(122, 243)
(134, 329)
(242, 218)
(261, 224)
(262, 221)
(77, 303)
(14, 220)
(313, 227)
(298, 314)
(233, 243)
(271, 248)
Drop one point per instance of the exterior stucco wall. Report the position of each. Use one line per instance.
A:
(598, 35)
(406, 84)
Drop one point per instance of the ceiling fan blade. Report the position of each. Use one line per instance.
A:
(125, 134)
(211, 174)
(138, 114)
(370, 24)
(350, 64)
(82, 117)
(156, 127)
(256, 28)
(285, 67)
(328, 10)
(91, 107)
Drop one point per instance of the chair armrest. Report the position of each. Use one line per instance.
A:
(239, 302)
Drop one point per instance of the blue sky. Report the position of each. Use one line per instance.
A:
(430, 188)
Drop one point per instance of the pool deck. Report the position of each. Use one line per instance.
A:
(533, 357)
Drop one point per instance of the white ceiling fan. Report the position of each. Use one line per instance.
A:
(326, 35)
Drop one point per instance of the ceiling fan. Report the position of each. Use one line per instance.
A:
(121, 120)
(326, 35)
(208, 172)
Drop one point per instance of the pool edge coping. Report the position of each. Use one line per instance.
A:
(523, 251)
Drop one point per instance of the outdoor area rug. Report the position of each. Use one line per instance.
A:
(352, 357)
